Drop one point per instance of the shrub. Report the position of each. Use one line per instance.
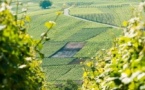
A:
(122, 67)
(70, 85)
(19, 67)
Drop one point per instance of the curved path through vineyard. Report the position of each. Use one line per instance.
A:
(66, 12)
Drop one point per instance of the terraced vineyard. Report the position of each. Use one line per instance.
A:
(95, 35)
(109, 14)
(86, 33)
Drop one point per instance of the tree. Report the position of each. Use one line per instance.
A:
(45, 4)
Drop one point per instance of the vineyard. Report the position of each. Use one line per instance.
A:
(109, 14)
(95, 35)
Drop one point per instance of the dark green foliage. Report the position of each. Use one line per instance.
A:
(69, 85)
(45, 4)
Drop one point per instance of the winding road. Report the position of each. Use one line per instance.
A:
(66, 13)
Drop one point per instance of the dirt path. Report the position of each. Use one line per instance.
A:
(66, 12)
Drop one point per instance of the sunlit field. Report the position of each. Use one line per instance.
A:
(95, 23)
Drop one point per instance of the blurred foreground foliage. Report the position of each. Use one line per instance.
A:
(19, 67)
(122, 67)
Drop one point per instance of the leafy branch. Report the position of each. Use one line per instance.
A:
(49, 25)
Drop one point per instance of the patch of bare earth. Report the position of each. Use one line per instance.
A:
(69, 50)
